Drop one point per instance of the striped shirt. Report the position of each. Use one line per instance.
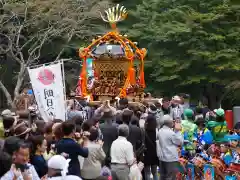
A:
(176, 112)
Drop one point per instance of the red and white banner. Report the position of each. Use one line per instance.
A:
(49, 90)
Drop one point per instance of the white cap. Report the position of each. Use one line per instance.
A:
(71, 177)
(167, 118)
(7, 112)
(58, 162)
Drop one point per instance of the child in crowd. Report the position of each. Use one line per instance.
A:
(229, 150)
(225, 153)
(189, 131)
(204, 137)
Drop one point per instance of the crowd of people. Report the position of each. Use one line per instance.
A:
(114, 140)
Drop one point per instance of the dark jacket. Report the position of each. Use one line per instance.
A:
(150, 154)
(110, 134)
(73, 149)
(40, 165)
(135, 137)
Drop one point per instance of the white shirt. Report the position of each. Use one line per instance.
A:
(122, 151)
(69, 177)
(10, 175)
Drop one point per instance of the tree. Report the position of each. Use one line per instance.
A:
(192, 45)
(39, 31)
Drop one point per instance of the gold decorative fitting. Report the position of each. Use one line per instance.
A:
(114, 15)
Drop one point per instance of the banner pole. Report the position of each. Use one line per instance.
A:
(50, 63)
(64, 89)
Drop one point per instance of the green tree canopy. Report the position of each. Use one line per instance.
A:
(191, 44)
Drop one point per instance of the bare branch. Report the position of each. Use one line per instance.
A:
(26, 10)
(6, 21)
(27, 42)
(38, 48)
(20, 32)
(69, 39)
(18, 35)
(29, 26)
(10, 49)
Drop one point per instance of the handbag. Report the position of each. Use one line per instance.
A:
(158, 147)
(157, 144)
(135, 173)
(142, 148)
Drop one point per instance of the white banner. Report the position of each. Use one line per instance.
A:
(48, 87)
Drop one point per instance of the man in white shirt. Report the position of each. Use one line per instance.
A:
(122, 156)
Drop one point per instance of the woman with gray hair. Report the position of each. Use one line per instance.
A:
(122, 156)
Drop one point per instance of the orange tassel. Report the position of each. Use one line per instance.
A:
(83, 77)
(142, 78)
(132, 76)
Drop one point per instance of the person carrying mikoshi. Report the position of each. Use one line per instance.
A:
(189, 131)
(218, 127)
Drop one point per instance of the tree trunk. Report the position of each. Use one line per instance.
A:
(7, 94)
(213, 103)
(19, 82)
(214, 94)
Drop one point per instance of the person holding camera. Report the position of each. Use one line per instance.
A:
(21, 169)
(176, 110)
(92, 164)
(169, 139)
(73, 110)
(70, 146)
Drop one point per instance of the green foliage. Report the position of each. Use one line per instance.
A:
(189, 42)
